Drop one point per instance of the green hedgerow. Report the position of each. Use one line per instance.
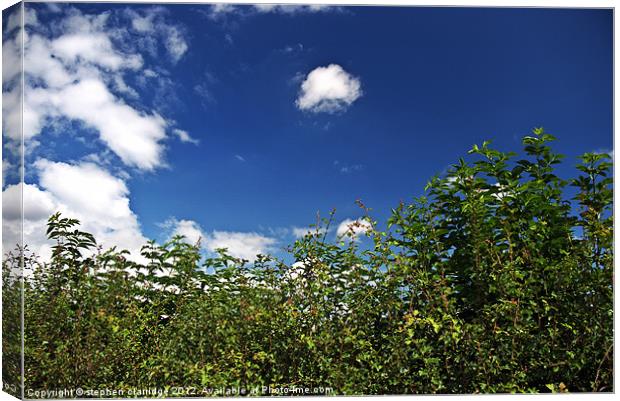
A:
(493, 281)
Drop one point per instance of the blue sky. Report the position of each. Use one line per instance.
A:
(248, 121)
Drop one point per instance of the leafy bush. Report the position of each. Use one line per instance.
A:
(492, 282)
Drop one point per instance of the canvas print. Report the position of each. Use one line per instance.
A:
(272, 200)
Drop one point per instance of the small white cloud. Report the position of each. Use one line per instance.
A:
(353, 228)
(266, 8)
(328, 89)
(149, 73)
(289, 49)
(184, 136)
(219, 10)
(348, 169)
(175, 44)
(143, 23)
(240, 158)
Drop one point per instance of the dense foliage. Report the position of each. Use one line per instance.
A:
(495, 281)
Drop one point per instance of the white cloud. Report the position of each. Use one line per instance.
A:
(153, 23)
(150, 73)
(42, 65)
(347, 169)
(188, 229)
(76, 21)
(38, 205)
(293, 8)
(298, 47)
(95, 197)
(84, 187)
(328, 89)
(121, 86)
(142, 23)
(71, 75)
(184, 136)
(240, 158)
(245, 245)
(7, 169)
(11, 51)
(135, 137)
(203, 88)
(353, 228)
(95, 48)
(11, 86)
(175, 44)
(83, 191)
(14, 19)
(221, 10)
(12, 116)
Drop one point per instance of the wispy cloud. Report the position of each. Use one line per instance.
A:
(185, 137)
(292, 8)
(240, 158)
(222, 10)
(203, 88)
(152, 22)
(348, 168)
(296, 48)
